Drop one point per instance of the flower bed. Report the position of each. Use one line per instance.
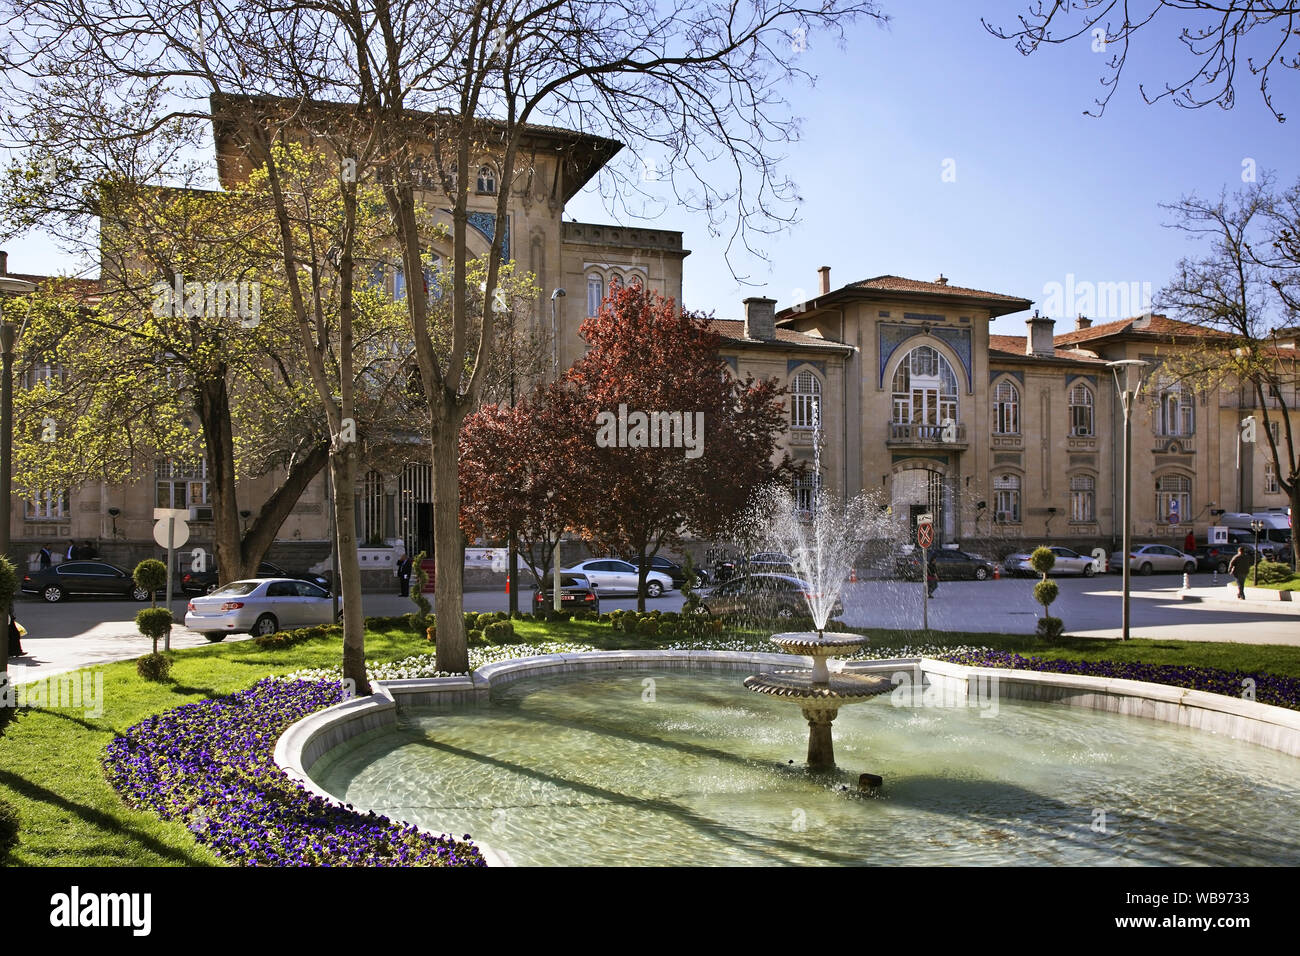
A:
(211, 765)
(1267, 688)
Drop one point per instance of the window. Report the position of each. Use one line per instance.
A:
(925, 390)
(1006, 499)
(1081, 411)
(1176, 413)
(804, 489)
(1173, 497)
(1006, 410)
(1274, 429)
(182, 484)
(48, 506)
(1083, 498)
(595, 294)
(805, 396)
(487, 180)
(1270, 479)
(47, 374)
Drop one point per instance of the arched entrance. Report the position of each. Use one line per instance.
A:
(923, 486)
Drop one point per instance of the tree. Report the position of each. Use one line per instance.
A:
(1218, 35)
(675, 443)
(1239, 292)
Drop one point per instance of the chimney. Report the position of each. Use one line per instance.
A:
(1039, 342)
(760, 319)
(824, 280)
(1082, 322)
(942, 280)
(4, 263)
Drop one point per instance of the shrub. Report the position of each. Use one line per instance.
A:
(154, 667)
(499, 632)
(648, 626)
(471, 620)
(474, 636)
(8, 582)
(1045, 592)
(517, 615)
(1269, 572)
(153, 622)
(299, 635)
(150, 574)
(628, 622)
(8, 828)
(1042, 561)
(1050, 628)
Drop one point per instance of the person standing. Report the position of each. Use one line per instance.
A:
(72, 551)
(15, 638)
(46, 557)
(404, 575)
(932, 576)
(1189, 543)
(1239, 567)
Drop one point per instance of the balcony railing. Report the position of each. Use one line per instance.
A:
(913, 433)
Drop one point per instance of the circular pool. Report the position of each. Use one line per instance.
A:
(665, 767)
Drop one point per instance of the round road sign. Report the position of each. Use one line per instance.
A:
(180, 533)
(925, 535)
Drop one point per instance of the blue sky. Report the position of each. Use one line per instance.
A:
(1040, 190)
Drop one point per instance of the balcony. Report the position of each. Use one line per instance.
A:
(915, 435)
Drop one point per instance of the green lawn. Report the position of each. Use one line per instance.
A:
(50, 760)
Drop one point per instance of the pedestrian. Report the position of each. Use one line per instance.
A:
(932, 576)
(15, 637)
(404, 575)
(1189, 543)
(72, 551)
(90, 550)
(46, 557)
(1239, 567)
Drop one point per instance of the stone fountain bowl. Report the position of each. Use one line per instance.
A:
(813, 644)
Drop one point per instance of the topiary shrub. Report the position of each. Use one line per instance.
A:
(648, 626)
(9, 824)
(517, 615)
(1269, 572)
(628, 623)
(471, 620)
(1050, 628)
(499, 632)
(154, 622)
(154, 667)
(150, 575)
(1042, 560)
(1045, 592)
(474, 636)
(297, 636)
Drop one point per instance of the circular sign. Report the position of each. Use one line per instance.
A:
(925, 535)
(180, 533)
(1173, 512)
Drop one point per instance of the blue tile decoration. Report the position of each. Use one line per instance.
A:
(942, 459)
(731, 360)
(893, 335)
(998, 373)
(1090, 379)
(485, 223)
(792, 364)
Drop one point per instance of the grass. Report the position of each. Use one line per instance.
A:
(50, 759)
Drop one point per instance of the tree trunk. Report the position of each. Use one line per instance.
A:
(512, 564)
(1295, 529)
(343, 468)
(641, 573)
(448, 559)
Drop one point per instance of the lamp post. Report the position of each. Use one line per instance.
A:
(555, 362)
(1128, 379)
(1257, 527)
(8, 286)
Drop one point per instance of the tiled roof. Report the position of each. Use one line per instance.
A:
(1013, 346)
(900, 284)
(733, 330)
(1149, 325)
(88, 290)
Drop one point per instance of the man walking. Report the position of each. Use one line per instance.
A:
(1239, 567)
(46, 558)
(404, 575)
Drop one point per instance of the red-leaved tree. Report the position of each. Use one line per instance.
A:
(647, 483)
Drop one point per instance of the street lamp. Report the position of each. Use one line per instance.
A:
(1128, 379)
(1258, 528)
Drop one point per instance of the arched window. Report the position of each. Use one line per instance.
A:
(805, 392)
(1006, 409)
(1176, 411)
(487, 179)
(925, 389)
(1173, 498)
(1006, 499)
(595, 293)
(1083, 498)
(1081, 411)
(635, 283)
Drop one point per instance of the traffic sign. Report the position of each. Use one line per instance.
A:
(1173, 511)
(924, 534)
(180, 533)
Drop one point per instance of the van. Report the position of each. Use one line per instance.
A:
(1277, 526)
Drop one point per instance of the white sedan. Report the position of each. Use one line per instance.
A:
(612, 576)
(1067, 562)
(1148, 558)
(259, 607)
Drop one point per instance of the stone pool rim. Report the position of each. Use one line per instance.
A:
(305, 742)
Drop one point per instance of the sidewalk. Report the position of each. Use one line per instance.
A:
(1257, 599)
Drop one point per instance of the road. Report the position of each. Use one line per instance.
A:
(77, 633)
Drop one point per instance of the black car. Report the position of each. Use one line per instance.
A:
(769, 562)
(761, 596)
(205, 582)
(576, 594)
(1215, 557)
(675, 571)
(89, 578)
(951, 565)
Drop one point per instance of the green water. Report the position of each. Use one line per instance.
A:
(595, 769)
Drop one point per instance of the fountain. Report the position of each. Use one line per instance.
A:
(824, 541)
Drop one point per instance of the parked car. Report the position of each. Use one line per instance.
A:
(260, 606)
(761, 596)
(88, 578)
(769, 562)
(1215, 557)
(675, 571)
(1067, 562)
(576, 593)
(613, 576)
(952, 565)
(205, 582)
(1149, 558)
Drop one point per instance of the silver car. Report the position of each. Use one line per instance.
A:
(1067, 562)
(1149, 558)
(610, 576)
(259, 607)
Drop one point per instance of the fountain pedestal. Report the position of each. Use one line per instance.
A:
(818, 692)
